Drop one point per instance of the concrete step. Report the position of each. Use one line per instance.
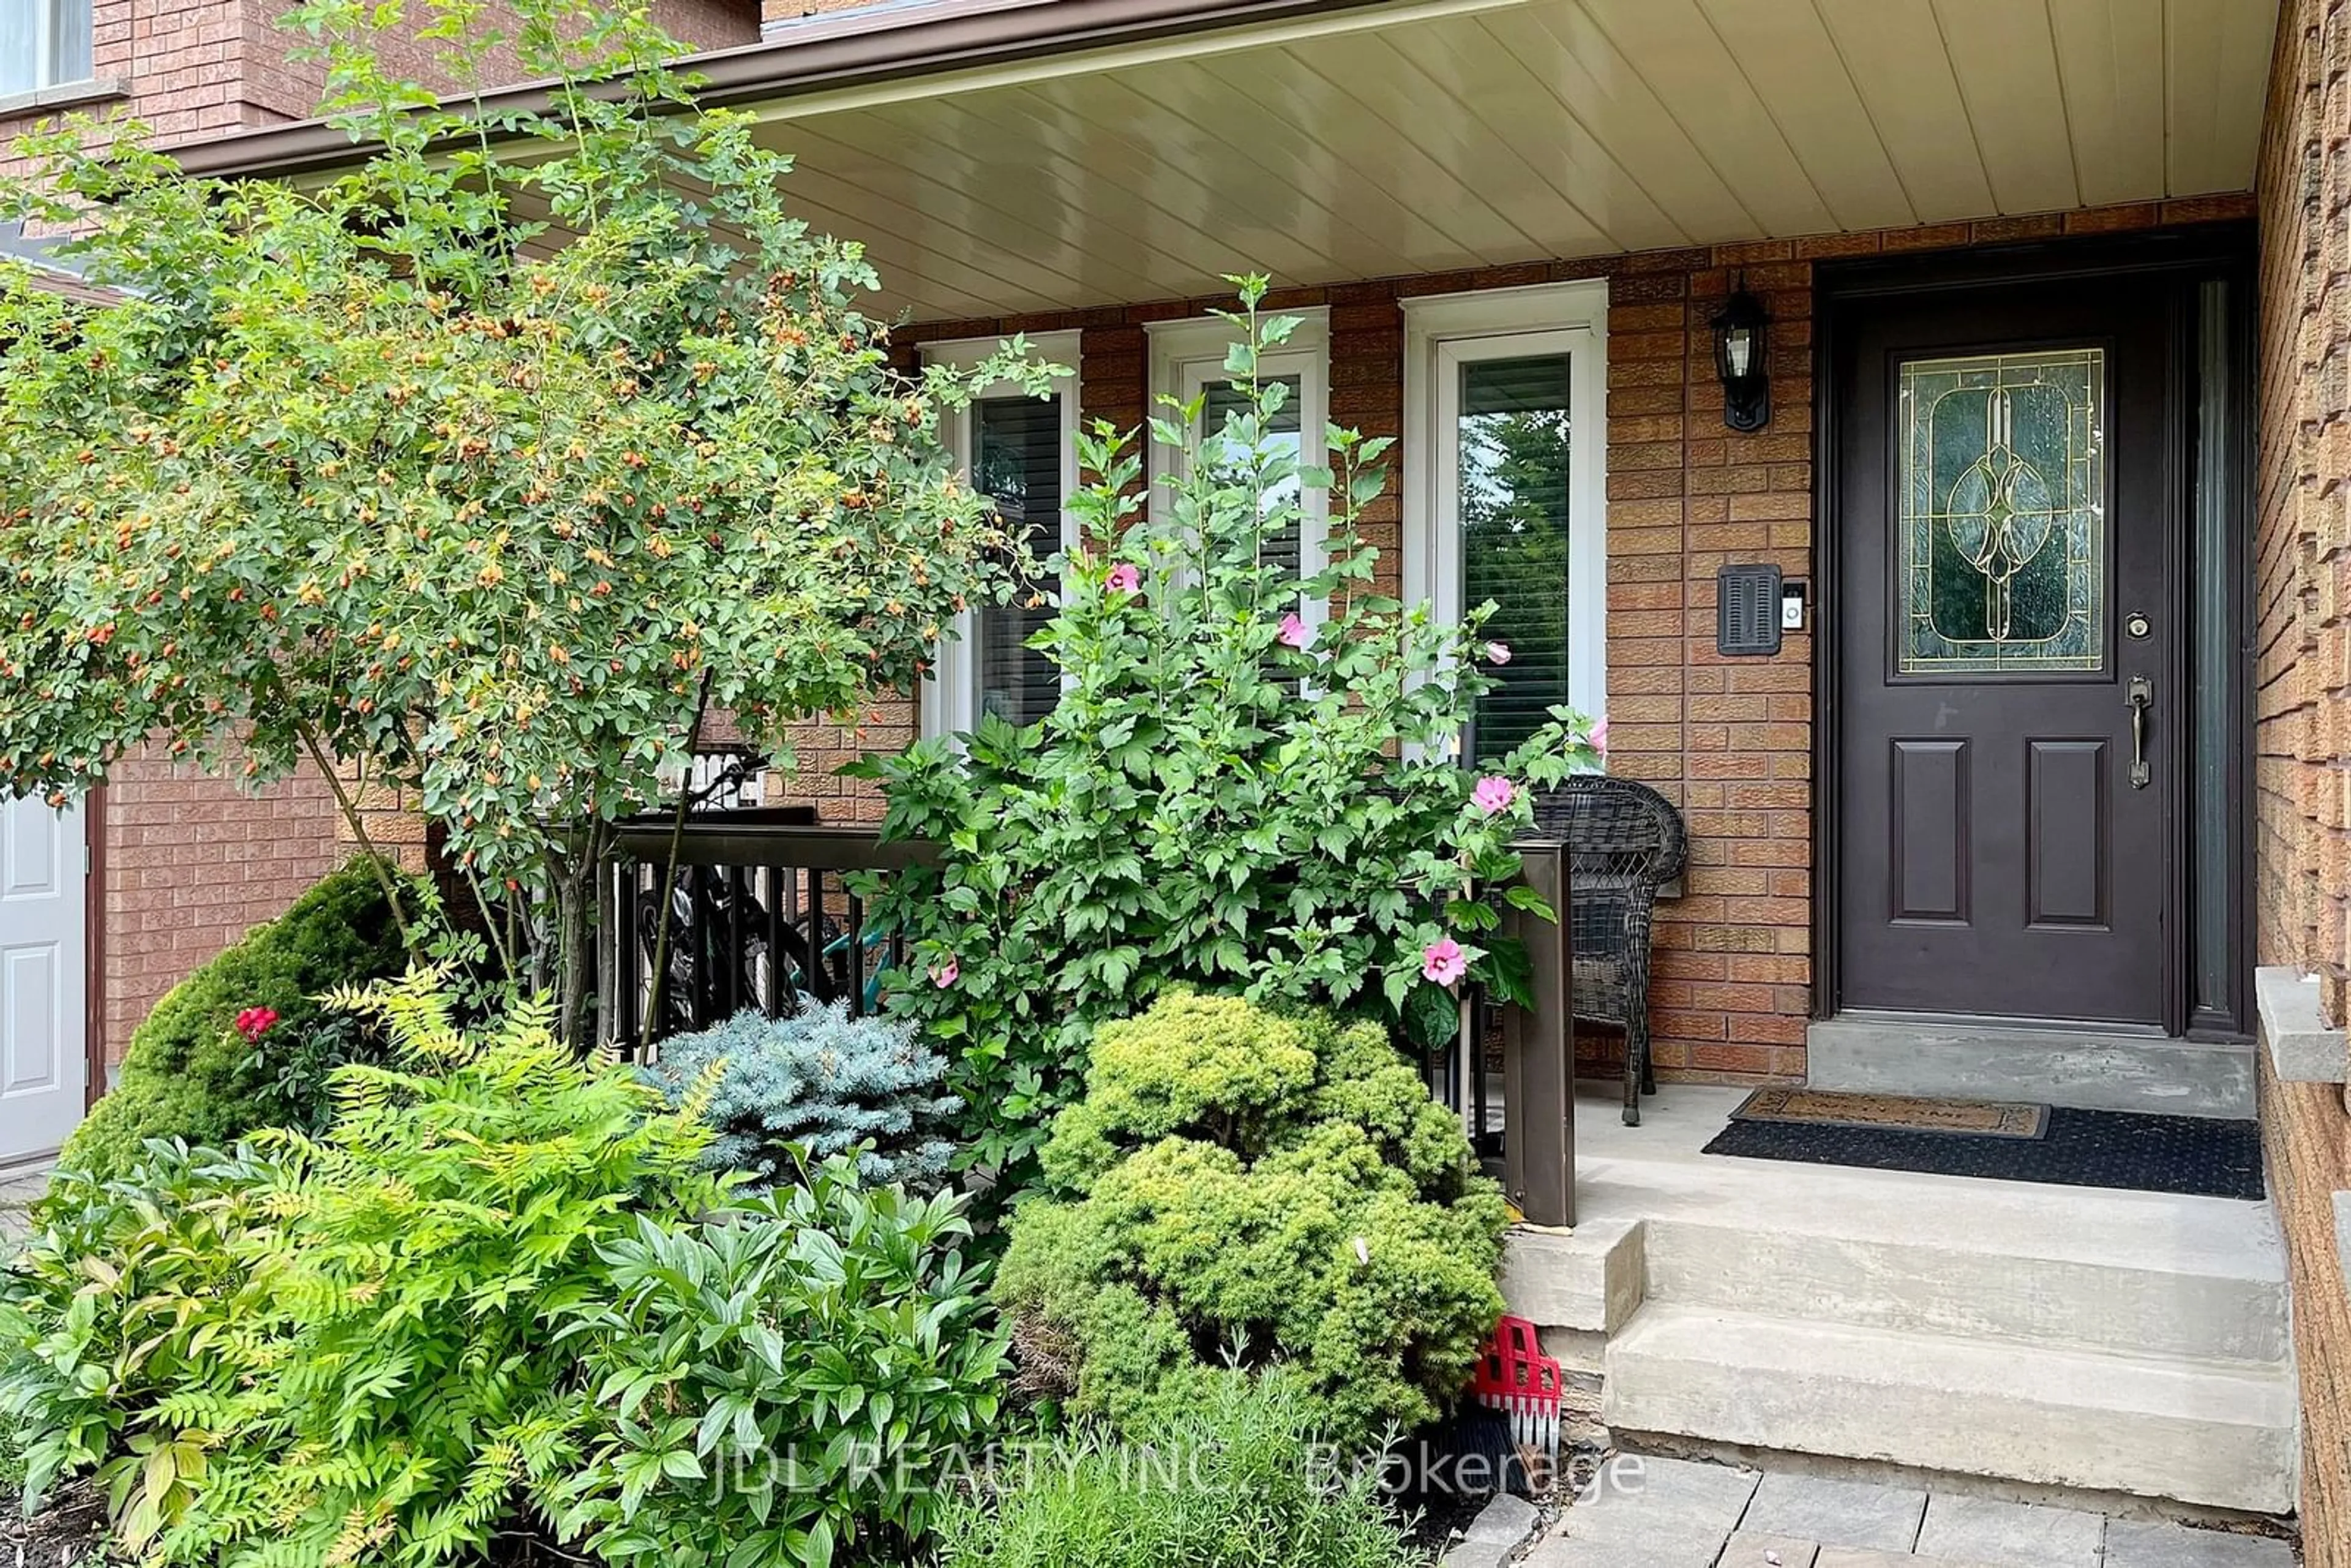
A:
(2216, 1434)
(2032, 1266)
(1897, 1053)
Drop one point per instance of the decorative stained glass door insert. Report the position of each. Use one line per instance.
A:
(2000, 532)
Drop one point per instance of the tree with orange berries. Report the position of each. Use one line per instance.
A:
(482, 469)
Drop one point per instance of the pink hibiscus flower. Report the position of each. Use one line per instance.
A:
(1294, 632)
(1441, 961)
(945, 973)
(1498, 652)
(1123, 579)
(1493, 793)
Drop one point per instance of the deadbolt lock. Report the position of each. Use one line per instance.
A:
(2137, 625)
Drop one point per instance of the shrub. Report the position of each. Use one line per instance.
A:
(360, 1364)
(786, 1386)
(104, 1312)
(191, 1075)
(501, 1282)
(1281, 1183)
(494, 521)
(821, 1083)
(1224, 797)
(1239, 1480)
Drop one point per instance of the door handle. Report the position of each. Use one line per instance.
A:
(2140, 697)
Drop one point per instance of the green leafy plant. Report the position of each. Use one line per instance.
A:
(461, 1200)
(786, 1386)
(1228, 794)
(1242, 1479)
(1280, 1185)
(341, 1350)
(191, 1075)
(501, 1291)
(778, 1091)
(106, 1312)
(488, 466)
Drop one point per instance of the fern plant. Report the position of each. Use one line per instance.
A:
(461, 1200)
(784, 1091)
(341, 1350)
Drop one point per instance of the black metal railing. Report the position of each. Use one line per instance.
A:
(759, 916)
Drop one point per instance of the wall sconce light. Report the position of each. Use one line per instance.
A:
(1739, 345)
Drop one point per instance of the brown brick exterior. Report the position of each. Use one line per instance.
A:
(1729, 742)
(2303, 552)
(195, 69)
(191, 862)
(2303, 698)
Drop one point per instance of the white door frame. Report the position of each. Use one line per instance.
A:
(46, 1074)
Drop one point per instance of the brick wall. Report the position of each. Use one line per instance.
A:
(193, 68)
(2302, 698)
(774, 11)
(2302, 551)
(1729, 741)
(191, 863)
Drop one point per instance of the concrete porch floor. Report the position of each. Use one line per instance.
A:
(2123, 1352)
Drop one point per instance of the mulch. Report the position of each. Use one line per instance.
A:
(70, 1529)
(71, 1533)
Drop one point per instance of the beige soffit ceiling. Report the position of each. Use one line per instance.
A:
(1430, 136)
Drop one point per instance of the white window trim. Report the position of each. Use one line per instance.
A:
(1444, 331)
(950, 695)
(1187, 358)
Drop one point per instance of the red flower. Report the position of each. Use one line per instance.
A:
(253, 1022)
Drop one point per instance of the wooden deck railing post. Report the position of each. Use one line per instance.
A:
(1539, 1054)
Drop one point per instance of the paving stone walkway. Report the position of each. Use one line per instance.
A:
(18, 1192)
(1672, 1513)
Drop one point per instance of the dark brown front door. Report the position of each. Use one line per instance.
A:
(2007, 735)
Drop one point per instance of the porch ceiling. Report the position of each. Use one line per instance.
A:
(1427, 137)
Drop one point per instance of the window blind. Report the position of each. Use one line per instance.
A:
(1286, 432)
(1513, 439)
(1017, 462)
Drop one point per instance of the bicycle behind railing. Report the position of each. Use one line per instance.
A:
(758, 916)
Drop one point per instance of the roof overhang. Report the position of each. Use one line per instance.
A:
(832, 52)
(1008, 156)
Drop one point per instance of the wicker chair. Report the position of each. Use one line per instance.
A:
(1624, 842)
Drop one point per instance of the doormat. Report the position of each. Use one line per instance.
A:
(2196, 1156)
(1828, 1108)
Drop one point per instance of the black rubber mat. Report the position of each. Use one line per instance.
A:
(2190, 1155)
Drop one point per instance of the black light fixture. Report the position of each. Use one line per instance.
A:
(1739, 344)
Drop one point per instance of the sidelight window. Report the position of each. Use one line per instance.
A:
(1503, 397)
(1020, 452)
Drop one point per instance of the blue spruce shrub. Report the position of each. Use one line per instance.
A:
(820, 1082)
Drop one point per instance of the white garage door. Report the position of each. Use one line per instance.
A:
(43, 1068)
